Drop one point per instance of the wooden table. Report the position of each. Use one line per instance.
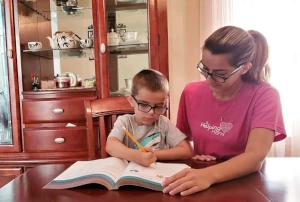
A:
(278, 180)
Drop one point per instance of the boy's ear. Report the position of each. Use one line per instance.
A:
(130, 99)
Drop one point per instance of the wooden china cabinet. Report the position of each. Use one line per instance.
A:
(48, 125)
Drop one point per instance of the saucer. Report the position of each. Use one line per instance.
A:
(127, 90)
(73, 78)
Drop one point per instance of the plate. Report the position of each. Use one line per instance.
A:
(73, 78)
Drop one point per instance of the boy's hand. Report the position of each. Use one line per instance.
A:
(146, 158)
(204, 158)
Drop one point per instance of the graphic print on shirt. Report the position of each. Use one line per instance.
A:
(151, 141)
(217, 130)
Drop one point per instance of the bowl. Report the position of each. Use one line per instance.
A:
(130, 36)
(34, 45)
(113, 41)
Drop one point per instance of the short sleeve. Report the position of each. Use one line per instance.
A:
(173, 135)
(182, 120)
(117, 131)
(267, 112)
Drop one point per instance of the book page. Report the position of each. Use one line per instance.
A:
(111, 167)
(154, 173)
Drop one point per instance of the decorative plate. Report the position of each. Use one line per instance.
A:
(73, 78)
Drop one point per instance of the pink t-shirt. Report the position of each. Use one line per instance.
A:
(199, 117)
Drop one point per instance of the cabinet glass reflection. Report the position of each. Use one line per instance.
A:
(127, 39)
(5, 116)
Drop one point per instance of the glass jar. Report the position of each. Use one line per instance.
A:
(113, 38)
(90, 82)
(62, 81)
(79, 81)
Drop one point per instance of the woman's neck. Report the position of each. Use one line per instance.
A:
(229, 94)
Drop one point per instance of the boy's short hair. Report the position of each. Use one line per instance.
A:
(151, 79)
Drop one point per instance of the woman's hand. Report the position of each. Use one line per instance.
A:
(146, 158)
(204, 158)
(187, 181)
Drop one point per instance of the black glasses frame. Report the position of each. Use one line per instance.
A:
(206, 73)
(150, 107)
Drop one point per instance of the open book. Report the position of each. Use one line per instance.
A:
(113, 172)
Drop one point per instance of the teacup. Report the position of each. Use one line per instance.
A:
(34, 45)
(128, 83)
(86, 43)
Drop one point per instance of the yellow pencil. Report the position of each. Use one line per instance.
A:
(133, 139)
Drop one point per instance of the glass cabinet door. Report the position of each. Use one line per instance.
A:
(5, 115)
(127, 42)
(56, 38)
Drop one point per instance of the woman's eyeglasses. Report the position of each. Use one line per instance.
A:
(143, 107)
(216, 77)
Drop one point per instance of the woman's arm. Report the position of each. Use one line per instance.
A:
(190, 181)
(181, 151)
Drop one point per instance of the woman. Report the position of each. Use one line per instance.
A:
(235, 114)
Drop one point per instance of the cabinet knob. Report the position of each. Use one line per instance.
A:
(59, 140)
(58, 110)
(102, 48)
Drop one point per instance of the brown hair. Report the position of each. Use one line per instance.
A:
(151, 79)
(242, 47)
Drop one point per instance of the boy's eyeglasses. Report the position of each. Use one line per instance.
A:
(216, 77)
(146, 108)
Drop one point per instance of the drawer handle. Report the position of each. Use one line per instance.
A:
(58, 111)
(59, 140)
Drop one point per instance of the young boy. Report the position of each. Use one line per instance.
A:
(160, 138)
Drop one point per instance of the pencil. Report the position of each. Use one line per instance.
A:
(133, 139)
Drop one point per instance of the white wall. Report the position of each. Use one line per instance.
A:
(184, 47)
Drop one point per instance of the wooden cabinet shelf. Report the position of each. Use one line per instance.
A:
(129, 49)
(126, 6)
(61, 53)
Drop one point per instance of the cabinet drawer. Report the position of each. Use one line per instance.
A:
(55, 139)
(53, 111)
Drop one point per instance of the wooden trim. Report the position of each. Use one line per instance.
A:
(100, 58)
(13, 80)
(163, 33)
(153, 34)
(45, 157)
(103, 138)
(90, 130)
(10, 172)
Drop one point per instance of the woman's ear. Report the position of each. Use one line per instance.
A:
(130, 99)
(246, 68)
